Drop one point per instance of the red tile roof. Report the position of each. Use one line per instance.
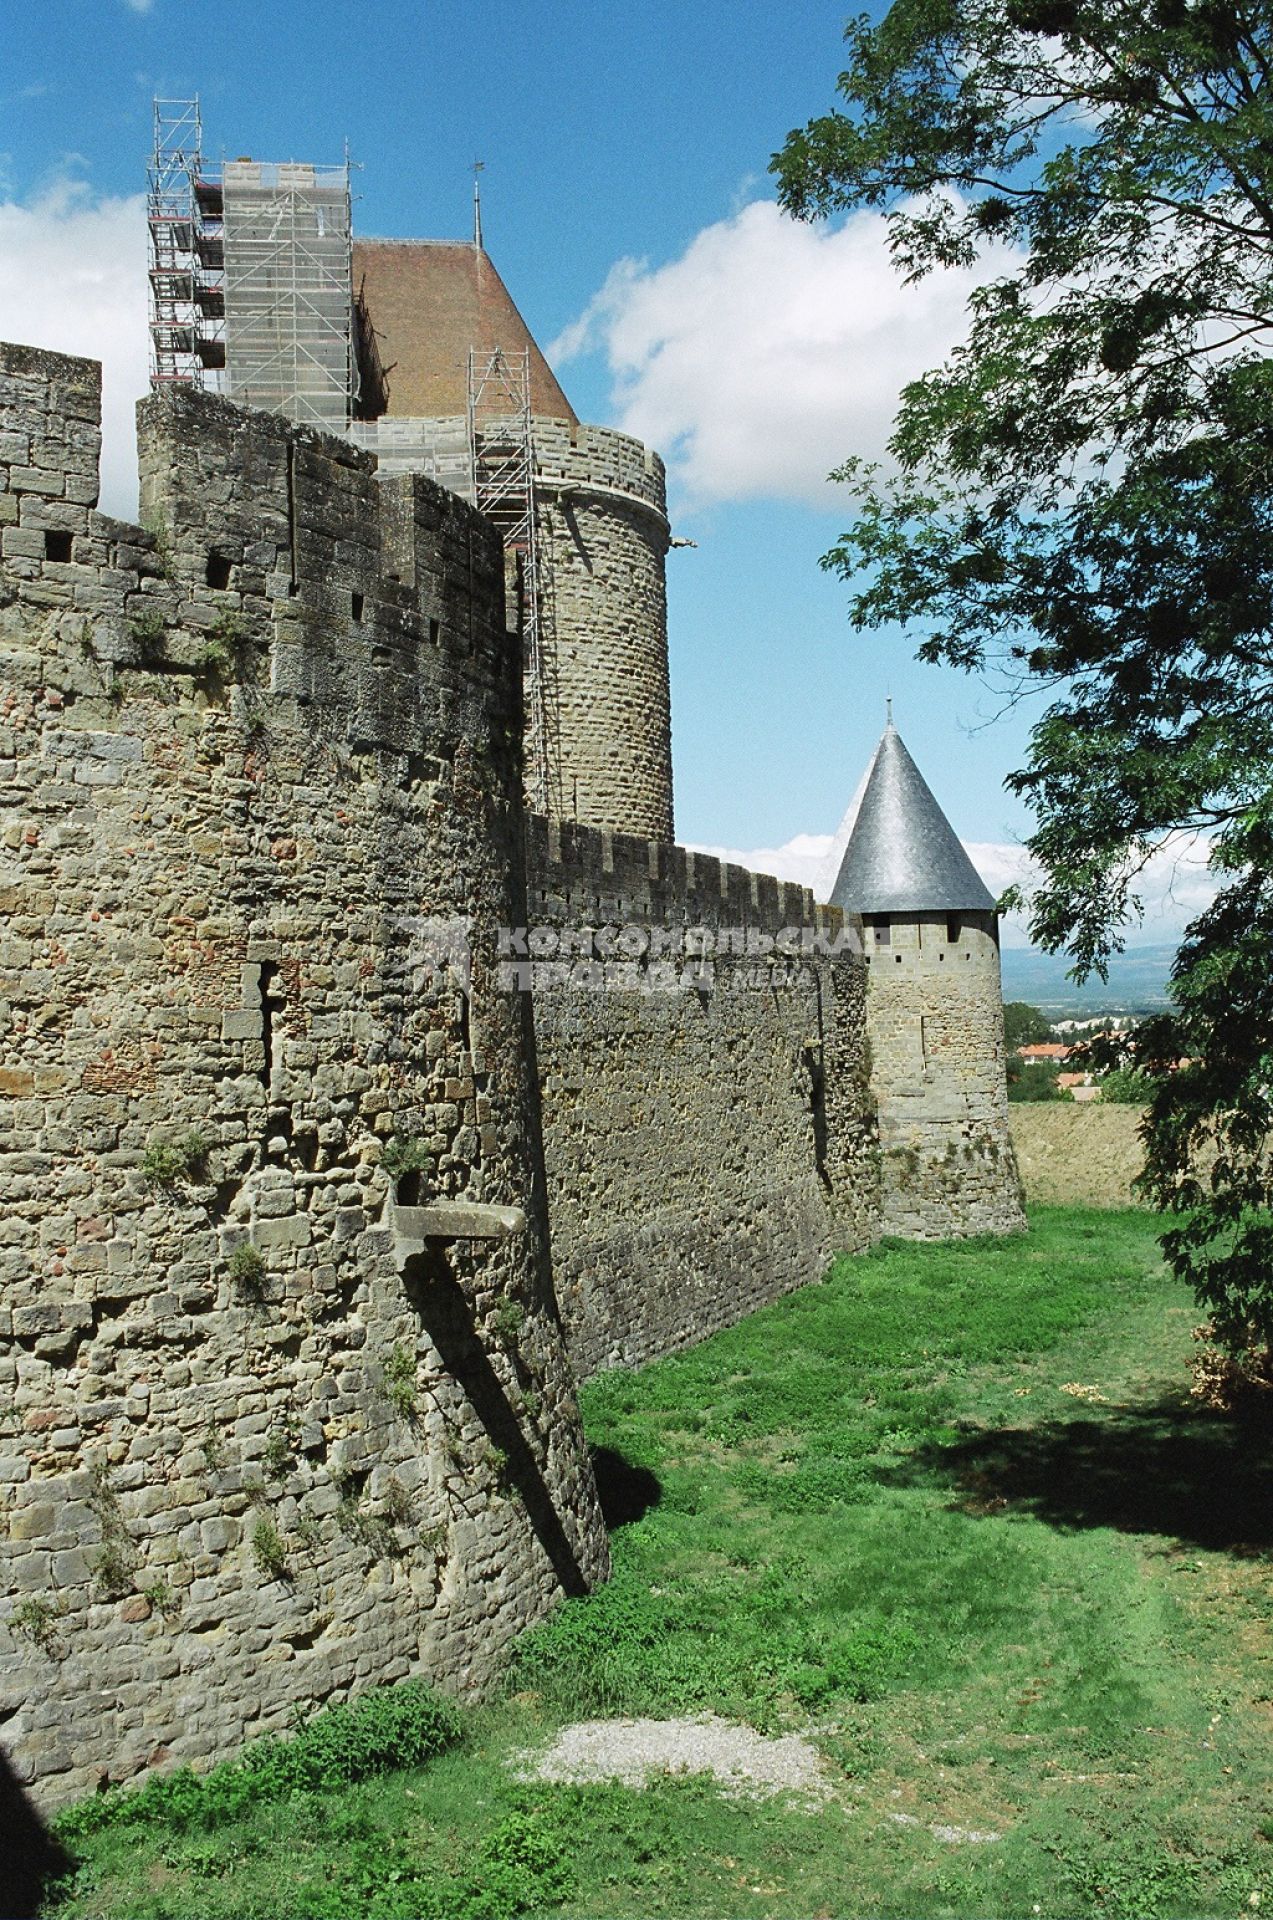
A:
(430, 301)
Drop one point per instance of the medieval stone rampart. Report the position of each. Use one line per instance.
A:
(935, 1020)
(707, 1129)
(273, 1425)
(314, 1042)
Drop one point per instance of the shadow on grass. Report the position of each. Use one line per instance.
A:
(1166, 1469)
(30, 1859)
(626, 1492)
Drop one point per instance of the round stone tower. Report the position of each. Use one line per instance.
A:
(604, 540)
(598, 744)
(934, 1010)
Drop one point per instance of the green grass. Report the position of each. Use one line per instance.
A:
(951, 1515)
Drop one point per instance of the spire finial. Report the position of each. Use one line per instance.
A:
(479, 166)
(888, 709)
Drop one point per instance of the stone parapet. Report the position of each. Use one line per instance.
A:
(576, 871)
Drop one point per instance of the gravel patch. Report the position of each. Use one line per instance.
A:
(747, 1766)
(953, 1836)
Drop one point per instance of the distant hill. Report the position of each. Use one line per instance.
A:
(1137, 982)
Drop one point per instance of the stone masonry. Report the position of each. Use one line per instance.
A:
(702, 1062)
(284, 1404)
(935, 1020)
(604, 535)
(314, 1043)
(603, 539)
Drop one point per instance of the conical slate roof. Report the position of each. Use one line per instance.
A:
(903, 855)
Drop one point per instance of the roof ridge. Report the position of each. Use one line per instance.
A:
(402, 240)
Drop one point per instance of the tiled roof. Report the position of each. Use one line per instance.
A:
(430, 301)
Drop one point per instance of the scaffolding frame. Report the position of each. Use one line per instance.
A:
(502, 467)
(183, 215)
(289, 292)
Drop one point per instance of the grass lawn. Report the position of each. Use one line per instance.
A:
(951, 1515)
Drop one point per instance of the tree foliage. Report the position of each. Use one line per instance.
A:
(1025, 1026)
(1035, 1083)
(1081, 501)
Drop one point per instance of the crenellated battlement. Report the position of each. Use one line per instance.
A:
(575, 872)
(268, 557)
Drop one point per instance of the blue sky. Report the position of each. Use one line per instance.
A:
(627, 204)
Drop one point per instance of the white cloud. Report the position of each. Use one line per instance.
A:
(73, 278)
(769, 350)
(139, 6)
(801, 859)
(1175, 886)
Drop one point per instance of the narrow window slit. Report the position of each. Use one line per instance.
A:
(269, 993)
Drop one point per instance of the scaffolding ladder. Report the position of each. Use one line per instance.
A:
(502, 465)
(187, 259)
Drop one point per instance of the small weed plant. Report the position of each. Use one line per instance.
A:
(247, 1270)
(508, 1319)
(149, 632)
(269, 1549)
(399, 1381)
(170, 1164)
(161, 1597)
(158, 530)
(279, 1454)
(213, 1447)
(391, 1727)
(117, 1555)
(404, 1153)
(35, 1619)
(397, 1502)
(309, 1533)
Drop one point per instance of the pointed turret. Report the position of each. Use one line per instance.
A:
(903, 855)
(934, 1008)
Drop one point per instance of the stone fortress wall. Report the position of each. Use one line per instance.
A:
(603, 539)
(259, 763)
(935, 1021)
(708, 1137)
(305, 1175)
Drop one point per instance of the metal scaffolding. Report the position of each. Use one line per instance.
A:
(289, 290)
(502, 465)
(183, 211)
